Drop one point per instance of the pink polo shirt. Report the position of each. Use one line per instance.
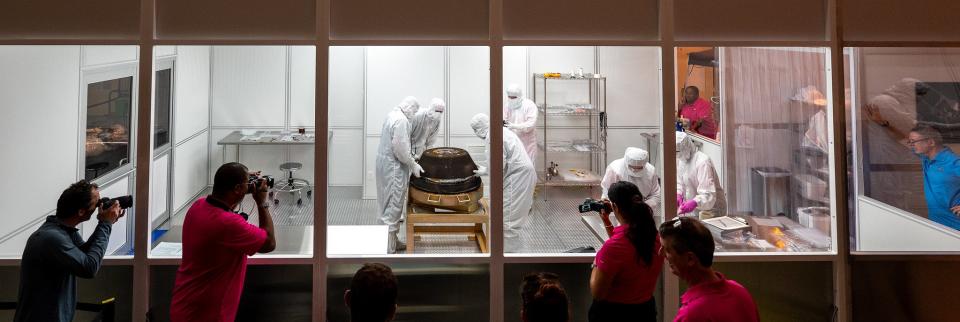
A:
(633, 280)
(216, 244)
(701, 111)
(721, 301)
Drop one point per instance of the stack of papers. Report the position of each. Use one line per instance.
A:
(168, 249)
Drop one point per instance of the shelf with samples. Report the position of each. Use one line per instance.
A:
(572, 129)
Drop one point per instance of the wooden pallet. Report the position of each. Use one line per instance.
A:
(417, 215)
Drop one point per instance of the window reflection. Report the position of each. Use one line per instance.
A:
(763, 187)
(905, 130)
(108, 126)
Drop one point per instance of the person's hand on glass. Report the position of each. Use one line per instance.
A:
(873, 114)
(955, 210)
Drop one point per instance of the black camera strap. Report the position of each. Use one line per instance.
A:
(219, 204)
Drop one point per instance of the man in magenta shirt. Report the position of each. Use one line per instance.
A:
(699, 112)
(216, 243)
(688, 246)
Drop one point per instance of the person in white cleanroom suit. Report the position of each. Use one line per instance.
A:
(635, 168)
(520, 115)
(425, 126)
(395, 163)
(698, 186)
(519, 179)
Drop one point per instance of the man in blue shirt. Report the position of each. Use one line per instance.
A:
(941, 175)
(55, 255)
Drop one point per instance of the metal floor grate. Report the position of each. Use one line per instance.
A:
(553, 226)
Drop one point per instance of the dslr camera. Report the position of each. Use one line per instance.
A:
(255, 182)
(125, 202)
(589, 205)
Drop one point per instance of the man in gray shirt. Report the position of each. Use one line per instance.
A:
(55, 255)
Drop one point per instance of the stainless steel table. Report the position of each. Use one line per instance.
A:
(265, 138)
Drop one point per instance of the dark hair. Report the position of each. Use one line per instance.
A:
(373, 293)
(687, 234)
(228, 176)
(75, 198)
(694, 88)
(929, 132)
(642, 230)
(544, 299)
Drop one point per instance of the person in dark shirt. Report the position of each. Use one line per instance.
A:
(55, 255)
(372, 296)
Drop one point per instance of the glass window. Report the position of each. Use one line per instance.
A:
(105, 297)
(753, 151)
(73, 107)
(785, 291)
(903, 120)
(574, 279)
(425, 292)
(108, 117)
(393, 110)
(161, 108)
(246, 104)
(270, 293)
(577, 120)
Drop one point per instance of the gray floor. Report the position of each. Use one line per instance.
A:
(553, 226)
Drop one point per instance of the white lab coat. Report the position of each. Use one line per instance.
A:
(525, 120)
(519, 180)
(425, 126)
(648, 182)
(697, 179)
(394, 165)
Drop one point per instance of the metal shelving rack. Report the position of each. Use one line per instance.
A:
(593, 145)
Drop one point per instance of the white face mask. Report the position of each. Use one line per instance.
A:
(634, 171)
(482, 133)
(515, 103)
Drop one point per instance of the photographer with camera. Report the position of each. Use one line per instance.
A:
(216, 243)
(55, 255)
(626, 268)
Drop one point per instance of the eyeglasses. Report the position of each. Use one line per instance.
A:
(912, 142)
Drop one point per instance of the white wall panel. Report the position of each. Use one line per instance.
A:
(13, 247)
(304, 155)
(39, 90)
(562, 60)
(370, 168)
(249, 85)
(162, 51)
(346, 153)
(303, 73)
(217, 152)
(515, 68)
(469, 87)
(346, 92)
(633, 84)
(159, 186)
(189, 170)
(885, 228)
(98, 55)
(396, 72)
(192, 91)
(118, 233)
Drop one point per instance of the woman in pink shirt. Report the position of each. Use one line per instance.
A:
(699, 112)
(628, 265)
